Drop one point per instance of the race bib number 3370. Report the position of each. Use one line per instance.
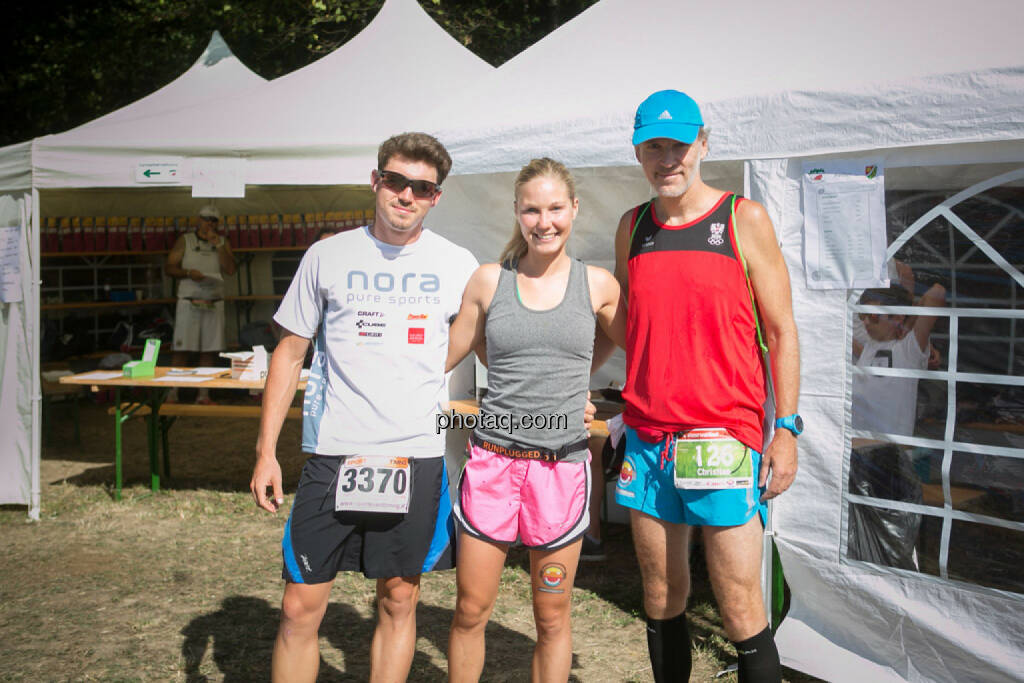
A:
(373, 483)
(711, 459)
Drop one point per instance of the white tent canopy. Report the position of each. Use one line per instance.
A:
(589, 75)
(320, 125)
(933, 92)
(216, 73)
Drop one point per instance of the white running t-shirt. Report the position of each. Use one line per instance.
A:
(888, 404)
(378, 315)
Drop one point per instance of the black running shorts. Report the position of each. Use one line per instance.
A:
(319, 542)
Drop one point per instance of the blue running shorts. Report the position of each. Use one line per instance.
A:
(644, 486)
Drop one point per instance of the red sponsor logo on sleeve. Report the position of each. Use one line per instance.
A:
(417, 335)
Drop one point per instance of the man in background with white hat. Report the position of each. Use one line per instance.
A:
(200, 260)
(692, 262)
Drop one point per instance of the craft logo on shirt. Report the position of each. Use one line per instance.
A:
(370, 314)
(417, 316)
(417, 335)
(716, 238)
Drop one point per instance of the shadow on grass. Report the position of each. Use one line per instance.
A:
(242, 632)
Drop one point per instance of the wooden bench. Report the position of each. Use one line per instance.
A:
(196, 410)
(169, 412)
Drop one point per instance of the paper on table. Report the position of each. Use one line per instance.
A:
(182, 378)
(210, 371)
(10, 263)
(100, 375)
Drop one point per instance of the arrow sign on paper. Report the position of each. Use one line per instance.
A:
(156, 172)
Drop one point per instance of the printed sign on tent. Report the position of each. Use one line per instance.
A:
(158, 171)
(844, 224)
(10, 263)
(218, 177)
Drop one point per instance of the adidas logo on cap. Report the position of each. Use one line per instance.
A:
(664, 116)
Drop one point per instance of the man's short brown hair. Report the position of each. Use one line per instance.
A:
(416, 147)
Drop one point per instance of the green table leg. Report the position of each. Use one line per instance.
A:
(152, 426)
(117, 443)
(165, 426)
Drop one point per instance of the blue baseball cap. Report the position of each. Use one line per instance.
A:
(667, 114)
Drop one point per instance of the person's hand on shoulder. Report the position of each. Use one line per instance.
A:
(589, 412)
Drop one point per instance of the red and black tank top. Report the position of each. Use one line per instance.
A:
(692, 358)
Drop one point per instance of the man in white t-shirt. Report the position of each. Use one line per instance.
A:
(887, 405)
(373, 496)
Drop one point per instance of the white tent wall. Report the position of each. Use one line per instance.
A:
(19, 366)
(848, 623)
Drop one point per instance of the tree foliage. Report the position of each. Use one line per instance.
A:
(67, 62)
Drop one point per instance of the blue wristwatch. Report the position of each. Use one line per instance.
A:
(793, 423)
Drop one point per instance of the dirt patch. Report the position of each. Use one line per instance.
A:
(185, 585)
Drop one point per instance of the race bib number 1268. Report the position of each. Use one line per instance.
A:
(374, 483)
(710, 458)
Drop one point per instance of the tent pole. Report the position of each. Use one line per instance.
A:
(767, 578)
(32, 308)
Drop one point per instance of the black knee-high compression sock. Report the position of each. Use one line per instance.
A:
(668, 642)
(759, 659)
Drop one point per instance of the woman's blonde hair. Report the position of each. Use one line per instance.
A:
(537, 168)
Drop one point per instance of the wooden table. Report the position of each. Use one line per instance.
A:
(158, 386)
(157, 423)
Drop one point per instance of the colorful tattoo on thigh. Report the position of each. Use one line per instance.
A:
(551, 577)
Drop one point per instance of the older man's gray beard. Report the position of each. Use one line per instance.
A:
(679, 191)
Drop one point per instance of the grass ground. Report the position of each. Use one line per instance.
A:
(184, 585)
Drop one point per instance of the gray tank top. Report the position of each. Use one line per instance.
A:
(538, 364)
(202, 256)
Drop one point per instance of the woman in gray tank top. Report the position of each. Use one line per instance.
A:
(528, 476)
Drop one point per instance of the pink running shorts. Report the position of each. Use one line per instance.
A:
(544, 504)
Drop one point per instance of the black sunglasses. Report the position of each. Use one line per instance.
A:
(396, 182)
